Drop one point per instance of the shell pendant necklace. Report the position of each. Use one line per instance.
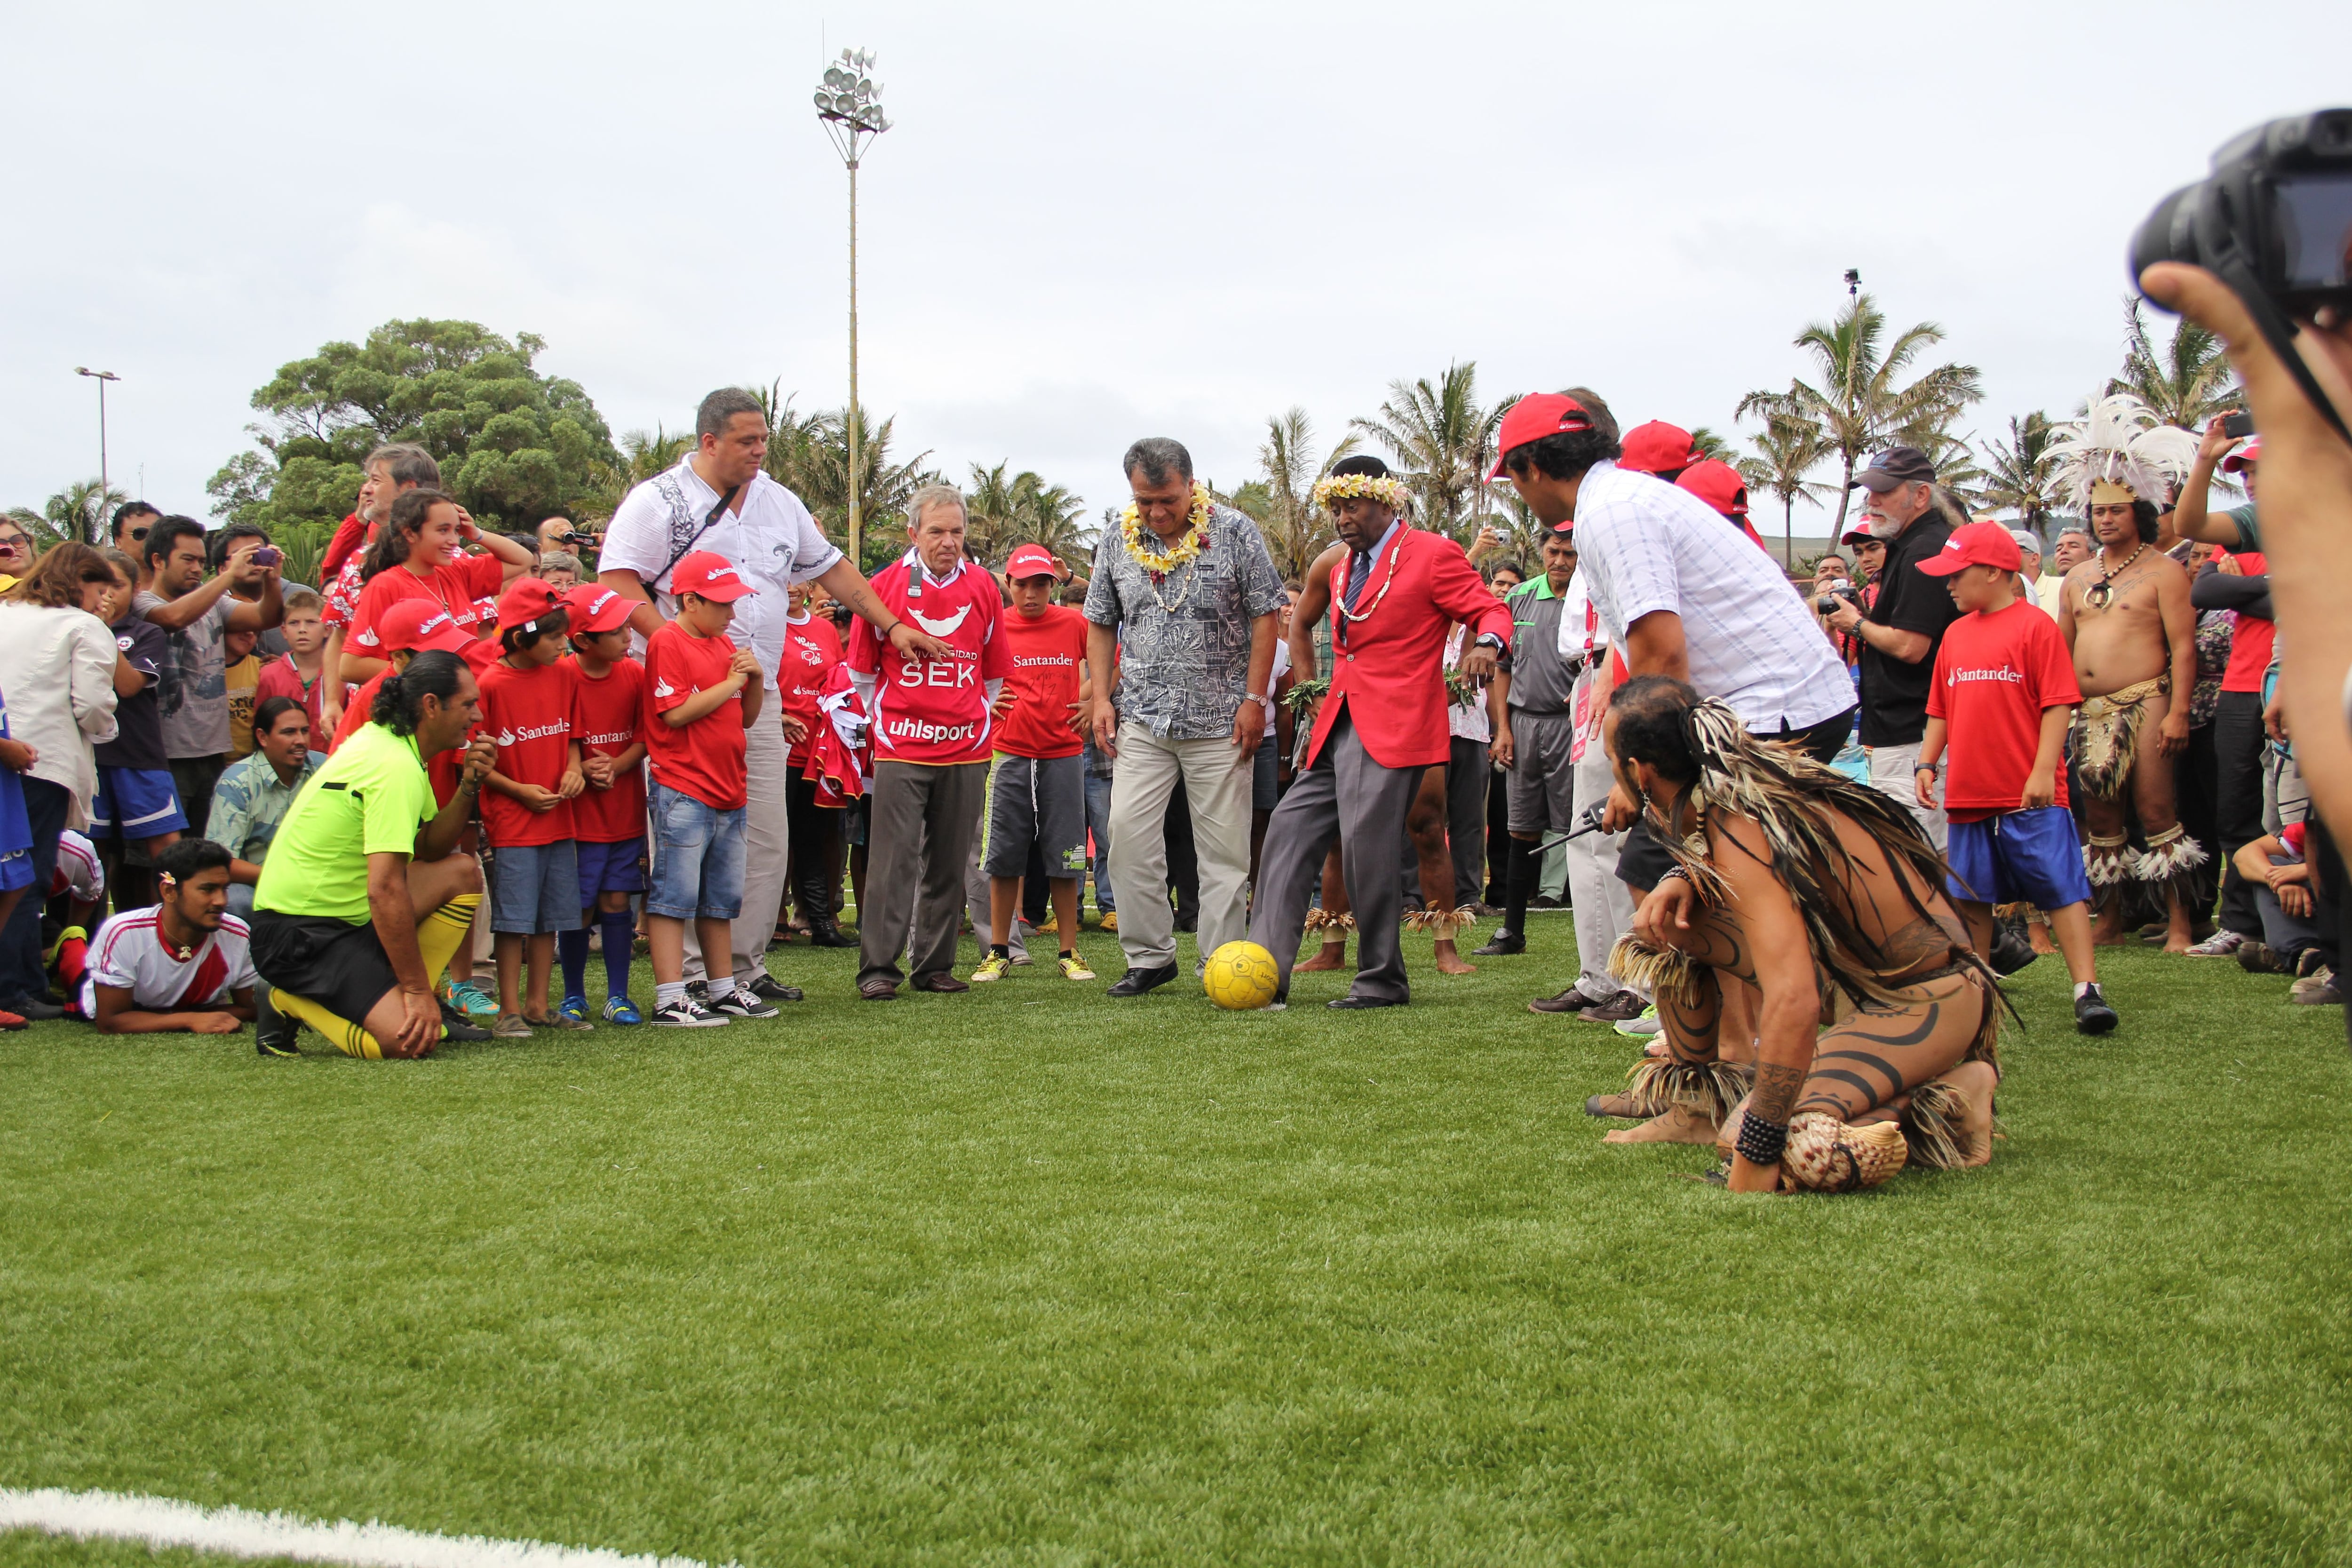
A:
(2100, 595)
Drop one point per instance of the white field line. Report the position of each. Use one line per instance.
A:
(164, 1521)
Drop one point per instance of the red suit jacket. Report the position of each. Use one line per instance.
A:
(1392, 660)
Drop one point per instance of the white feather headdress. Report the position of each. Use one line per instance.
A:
(2123, 442)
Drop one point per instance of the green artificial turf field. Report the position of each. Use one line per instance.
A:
(1027, 1276)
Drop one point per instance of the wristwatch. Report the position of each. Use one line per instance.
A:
(1261, 698)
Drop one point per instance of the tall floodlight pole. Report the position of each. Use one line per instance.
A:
(850, 103)
(101, 376)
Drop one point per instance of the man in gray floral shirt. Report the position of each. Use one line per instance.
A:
(1187, 598)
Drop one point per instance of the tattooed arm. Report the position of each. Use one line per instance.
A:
(1790, 1020)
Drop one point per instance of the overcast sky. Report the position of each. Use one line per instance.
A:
(1089, 223)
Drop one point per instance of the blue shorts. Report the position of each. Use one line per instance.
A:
(698, 857)
(534, 888)
(611, 869)
(135, 803)
(2031, 856)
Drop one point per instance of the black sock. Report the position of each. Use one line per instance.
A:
(1001, 949)
(1525, 865)
(1068, 953)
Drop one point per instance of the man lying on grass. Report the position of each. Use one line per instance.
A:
(1875, 1040)
(181, 965)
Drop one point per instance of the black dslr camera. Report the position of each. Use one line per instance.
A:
(2273, 221)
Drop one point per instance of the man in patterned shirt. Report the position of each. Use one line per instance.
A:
(1185, 605)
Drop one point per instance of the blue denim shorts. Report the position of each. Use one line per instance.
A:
(534, 888)
(698, 857)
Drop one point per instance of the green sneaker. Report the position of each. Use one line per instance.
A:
(992, 967)
(470, 1000)
(1643, 1028)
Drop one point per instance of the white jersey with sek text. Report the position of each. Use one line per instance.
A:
(132, 953)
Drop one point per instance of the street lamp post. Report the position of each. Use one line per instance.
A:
(849, 102)
(101, 377)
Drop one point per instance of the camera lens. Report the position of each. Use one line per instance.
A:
(2168, 235)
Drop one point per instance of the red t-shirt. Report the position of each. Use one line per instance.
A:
(934, 711)
(1995, 674)
(350, 537)
(1046, 654)
(533, 715)
(2250, 644)
(612, 719)
(704, 759)
(812, 647)
(455, 588)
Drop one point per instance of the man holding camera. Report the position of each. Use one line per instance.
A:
(1903, 626)
(197, 617)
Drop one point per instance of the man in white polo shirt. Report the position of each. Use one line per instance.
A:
(1678, 593)
(719, 498)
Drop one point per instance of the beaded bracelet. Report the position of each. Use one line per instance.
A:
(1760, 1141)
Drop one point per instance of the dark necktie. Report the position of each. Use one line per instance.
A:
(1360, 571)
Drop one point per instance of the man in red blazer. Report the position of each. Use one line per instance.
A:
(1380, 726)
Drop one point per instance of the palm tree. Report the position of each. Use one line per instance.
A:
(1709, 445)
(2187, 381)
(1787, 451)
(1294, 531)
(1441, 442)
(1051, 520)
(1859, 405)
(81, 512)
(2022, 475)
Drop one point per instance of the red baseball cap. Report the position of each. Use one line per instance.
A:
(708, 575)
(419, 626)
(596, 608)
(1533, 417)
(1718, 484)
(2251, 452)
(525, 600)
(1033, 561)
(1657, 447)
(1859, 535)
(1976, 544)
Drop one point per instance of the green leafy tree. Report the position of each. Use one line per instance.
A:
(514, 446)
(1294, 531)
(1863, 402)
(2187, 381)
(1787, 451)
(1442, 441)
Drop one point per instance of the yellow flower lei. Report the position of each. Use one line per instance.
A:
(1389, 491)
(1144, 545)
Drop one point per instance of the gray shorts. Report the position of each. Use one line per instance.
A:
(1542, 792)
(1040, 800)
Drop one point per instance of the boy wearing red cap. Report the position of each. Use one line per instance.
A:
(530, 710)
(1037, 783)
(608, 817)
(705, 694)
(2001, 698)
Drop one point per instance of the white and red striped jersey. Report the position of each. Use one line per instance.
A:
(79, 871)
(130, 952)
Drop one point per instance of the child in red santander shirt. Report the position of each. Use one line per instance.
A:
(609, 817)
(2002, 696)
(705, 694)
(529, 708)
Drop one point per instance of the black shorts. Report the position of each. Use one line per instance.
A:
(1644, 860)
(341, 966)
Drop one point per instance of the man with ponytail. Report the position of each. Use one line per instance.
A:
(1877, 1026)
(364, 898)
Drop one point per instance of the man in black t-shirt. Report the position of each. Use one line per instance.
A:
(1904, 624)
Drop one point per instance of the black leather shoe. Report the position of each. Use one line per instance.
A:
(1501, 944)
(878, 989)
(825, 933)
(1136, 981)
(1358, 1003)
(2011, 952)
(768, 988)
(943, 983)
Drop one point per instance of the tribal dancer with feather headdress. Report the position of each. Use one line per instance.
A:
(2125, 614)
(1877, 1031)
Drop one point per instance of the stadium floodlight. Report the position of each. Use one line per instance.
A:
(850, 105)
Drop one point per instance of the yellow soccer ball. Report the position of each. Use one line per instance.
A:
(1241, 976)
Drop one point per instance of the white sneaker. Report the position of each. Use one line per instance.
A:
(2220, 944)
(1643, 1028)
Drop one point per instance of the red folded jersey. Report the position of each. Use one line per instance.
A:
(456, 589)
(705, 758)
(533, 715)
(1046, 654)
(812, 653)
(933, 710)
(1995, 674)
(611, 719)
(837, 748)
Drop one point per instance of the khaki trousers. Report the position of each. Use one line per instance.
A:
(1217, 787)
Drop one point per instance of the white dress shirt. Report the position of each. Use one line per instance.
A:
(772, 541)
(1644, 545)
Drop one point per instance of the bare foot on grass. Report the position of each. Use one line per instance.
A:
(1450, 962)
(1333, 956)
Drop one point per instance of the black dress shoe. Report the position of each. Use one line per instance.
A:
(1357, 1003)
(2011, 952)
(878, 989)
(1136, 981)
(768, 988)
(825, 933)
(946, 984)
(1501, 944)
